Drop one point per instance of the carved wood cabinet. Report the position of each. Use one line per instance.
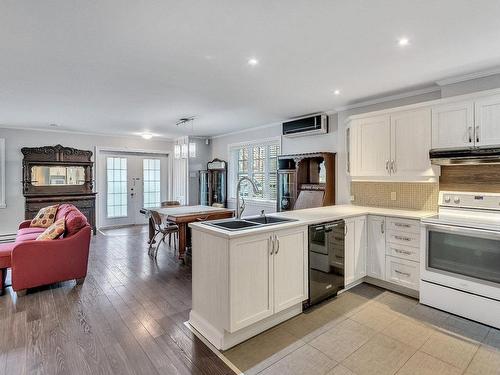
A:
(56, 175)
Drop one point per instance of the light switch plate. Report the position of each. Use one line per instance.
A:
(352, 198)
(393, 195)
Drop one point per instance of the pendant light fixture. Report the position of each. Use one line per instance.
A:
(185, 150)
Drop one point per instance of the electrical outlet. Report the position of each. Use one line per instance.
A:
(393, 195)
(352, 198)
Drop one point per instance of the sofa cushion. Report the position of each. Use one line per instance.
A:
(53, 232)
(45, 217)
(30, 230)
(63, 210)
(5, 251)
(27, 237)
(75, 221)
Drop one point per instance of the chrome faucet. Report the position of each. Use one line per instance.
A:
(240, 209)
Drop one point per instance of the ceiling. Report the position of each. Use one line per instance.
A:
(128, 66)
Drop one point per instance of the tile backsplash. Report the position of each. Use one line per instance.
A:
(408, 195)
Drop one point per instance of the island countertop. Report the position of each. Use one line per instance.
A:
(314, 216)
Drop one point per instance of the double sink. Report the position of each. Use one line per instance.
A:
(247, 223)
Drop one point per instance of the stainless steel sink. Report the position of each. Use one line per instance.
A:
(268, 219)
(248, 223)
(234, 224)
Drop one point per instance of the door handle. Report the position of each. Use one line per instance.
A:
(271, 244)
(382, 229)
(387, 165)
(477, 134)
(278, 244)
(470, 134)
(393, 166)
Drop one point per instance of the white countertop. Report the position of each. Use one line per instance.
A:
(314, 216)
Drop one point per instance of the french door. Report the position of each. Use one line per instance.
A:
(130, 182)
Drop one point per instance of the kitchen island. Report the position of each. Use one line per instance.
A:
(247, 281)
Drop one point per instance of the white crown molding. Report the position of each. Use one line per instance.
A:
(245, 130)
(383, 99)
(468, 76)
(131, 136)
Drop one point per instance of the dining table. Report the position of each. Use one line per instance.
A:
(182, 216)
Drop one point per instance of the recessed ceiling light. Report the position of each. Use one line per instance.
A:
(253, 61)
(336, 92)
(147, 135)
(403, 41)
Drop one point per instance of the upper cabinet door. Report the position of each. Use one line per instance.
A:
(251, 274)
(410, 143)
(373, 146)
(487, 129)
(290, 268)
(453, 125)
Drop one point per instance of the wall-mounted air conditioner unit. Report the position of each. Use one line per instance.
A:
(306, 126)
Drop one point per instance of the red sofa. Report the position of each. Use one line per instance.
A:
(34, 263)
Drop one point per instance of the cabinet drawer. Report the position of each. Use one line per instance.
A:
(403, 225)
(403, 251)
(403, 272)
(402, 238)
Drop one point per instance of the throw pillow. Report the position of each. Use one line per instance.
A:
(45, 217)
(52, 232)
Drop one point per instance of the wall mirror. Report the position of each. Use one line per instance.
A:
(46, 175)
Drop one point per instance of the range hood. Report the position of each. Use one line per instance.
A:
(466, 155)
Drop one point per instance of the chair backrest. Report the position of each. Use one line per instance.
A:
(156, 218)
(170, 203)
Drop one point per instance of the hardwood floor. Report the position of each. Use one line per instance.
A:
(127, 318)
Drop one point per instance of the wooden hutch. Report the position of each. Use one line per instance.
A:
(306, 180)
(56, 175)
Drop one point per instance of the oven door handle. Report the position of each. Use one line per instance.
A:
(484, 233)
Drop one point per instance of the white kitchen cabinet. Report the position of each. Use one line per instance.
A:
(487, 121)
(290, 268)
(355, 249)
(453, 125)
(268, 274)
(372, 146)
(410, 143)
(251, 272)
(376, 247)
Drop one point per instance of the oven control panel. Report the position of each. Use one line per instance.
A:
(486, 201)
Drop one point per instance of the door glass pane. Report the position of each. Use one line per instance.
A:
(152, 182)
(116, 187)
(466, 255)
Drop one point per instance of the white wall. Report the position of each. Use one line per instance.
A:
(16, 139)
(195, 165)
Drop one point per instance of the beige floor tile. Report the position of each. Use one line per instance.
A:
(428, 315)
(375, 318)
(343, 340)
(485, 362)
(409, 331)
(304, 361)
(466, 328)
(424, 364)
(310, 325)
(379, 356)
(366, 290)
(454, 350)
(263, 350)
(348, 303)
(395, 302)
(341, 370)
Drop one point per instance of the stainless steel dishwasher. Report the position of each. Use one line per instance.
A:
(326, 260)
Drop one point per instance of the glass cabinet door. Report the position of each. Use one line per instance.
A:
(287, 193)
(218, 187)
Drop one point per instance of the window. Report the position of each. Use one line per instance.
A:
(257, 161)
(152, 181)
(116, 187)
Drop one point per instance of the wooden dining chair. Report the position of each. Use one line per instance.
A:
(161, 230)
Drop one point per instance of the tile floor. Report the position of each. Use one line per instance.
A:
(368, 330)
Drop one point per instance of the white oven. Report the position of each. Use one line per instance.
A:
(460, 259)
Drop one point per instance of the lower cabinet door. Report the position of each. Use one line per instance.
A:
(360, 248)
(376, 247)
(290, 268)
(251, 280)
(350, 250)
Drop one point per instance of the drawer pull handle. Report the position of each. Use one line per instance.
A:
(401, 238)
(402, 273)
(403, 252)
(402, 225)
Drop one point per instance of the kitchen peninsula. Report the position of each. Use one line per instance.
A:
(248, 280)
